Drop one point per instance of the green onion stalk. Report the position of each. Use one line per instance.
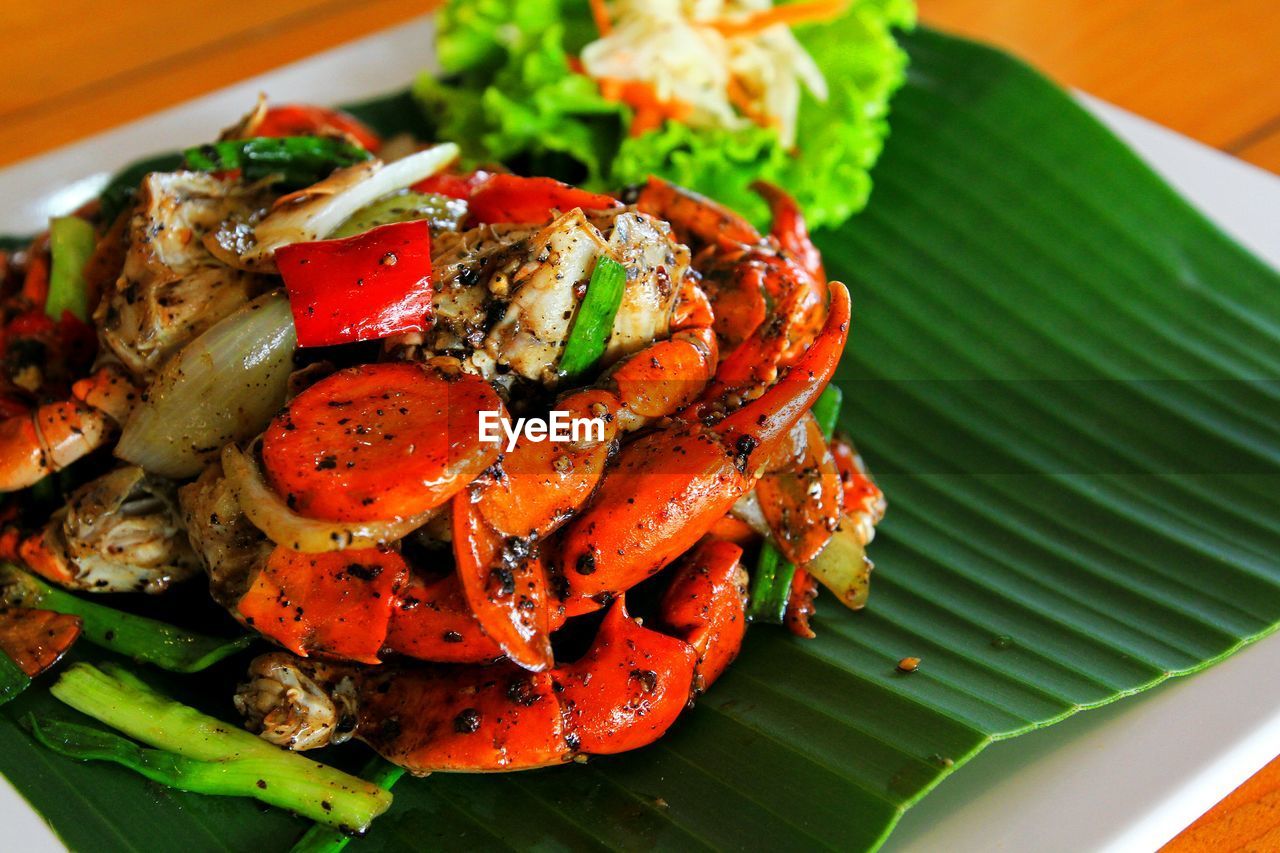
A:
(71, 243)
(325, 839)
(198, 753)
(296, 161)
(772, 579)
(146, 640)
(593, 322)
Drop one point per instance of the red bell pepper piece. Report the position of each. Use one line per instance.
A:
(31, 323)
(360, 288)
(511, 198)
(452, 185)
(306, 120)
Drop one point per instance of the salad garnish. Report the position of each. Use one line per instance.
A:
(709, 94)
(719, 64)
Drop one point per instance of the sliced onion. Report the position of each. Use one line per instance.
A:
(316, 212)
(442, 212)
(843, 567)
(223, 386)
(270, 514)
(747, 509)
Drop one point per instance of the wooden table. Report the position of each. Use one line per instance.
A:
(1208, 68)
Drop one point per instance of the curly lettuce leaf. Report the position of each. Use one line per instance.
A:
(510, 95)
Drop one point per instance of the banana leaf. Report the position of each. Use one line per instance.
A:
(1064, 377)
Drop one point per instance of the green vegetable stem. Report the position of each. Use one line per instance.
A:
(771, 581)
(594, 320)
(71, 242)
(197, 753)
(297, 161)
(323, 839)
(146, 640)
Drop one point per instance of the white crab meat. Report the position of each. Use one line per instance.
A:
(172, 288)
(506, 295)
(288, 708)
(655, 264)
(544, 296)
(121, 533)
(231, 548)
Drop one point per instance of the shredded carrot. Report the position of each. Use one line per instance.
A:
(808, 12)
(600, 11)
(739, 98)
(650, 110)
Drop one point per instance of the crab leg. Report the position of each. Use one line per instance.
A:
(36, 639)
(431, 620)
(670, 374)
(56, 434)
(336, 603)
(864, 503)
(499, 522)
(629, 687)
(687, 476)
(504, 584)
(695, 218)
(624, 693)
(703, 606)
(790, 230)
(801, 495)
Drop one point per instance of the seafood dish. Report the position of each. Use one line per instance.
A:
(493, 471)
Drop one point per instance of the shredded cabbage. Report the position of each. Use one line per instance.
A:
(510, 94)
(717, 79)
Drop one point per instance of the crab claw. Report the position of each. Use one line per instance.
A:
(498, 522)
(706, 606)
(790, 229)
(694, 217)
(505, 585)
(629, 687)
(689, 474)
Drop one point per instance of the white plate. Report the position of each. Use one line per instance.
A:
(1126, 777)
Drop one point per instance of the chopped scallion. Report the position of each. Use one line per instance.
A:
(196, 752)
(594, 321)
(323, 839)
(297, 161)
(71, 243)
